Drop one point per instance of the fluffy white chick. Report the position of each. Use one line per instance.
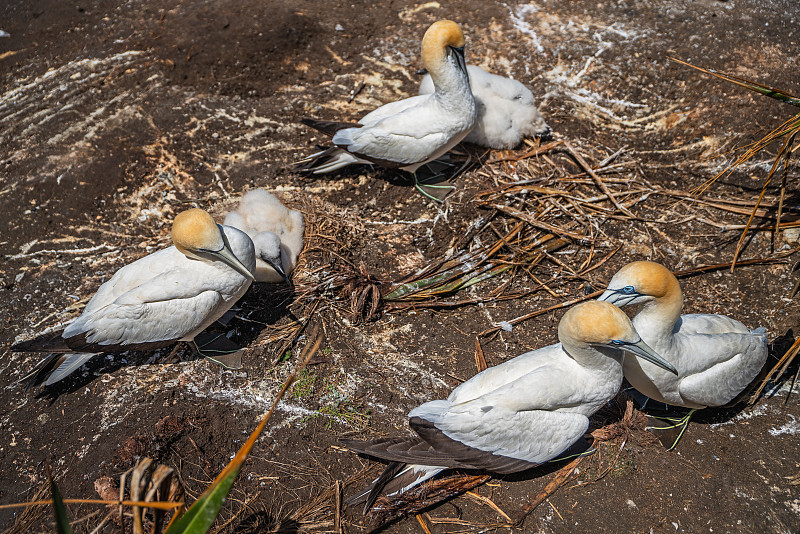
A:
(260, 214)
(506, 110)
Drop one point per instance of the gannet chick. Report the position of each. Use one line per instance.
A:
(716, 357)
(518, 414)
(262, 216)
(409, 133)
(171, 295)
(507, 113)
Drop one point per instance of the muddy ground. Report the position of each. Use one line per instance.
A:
(115, 116)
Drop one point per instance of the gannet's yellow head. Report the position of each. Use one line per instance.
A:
(442, 39)
(194, 230)
(597, 322)
(197, 236)
(601, 324)
(642, 281)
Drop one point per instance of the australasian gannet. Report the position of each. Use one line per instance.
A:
(507, 113)
(716, 357)
(276, 231)
(171, 295)
(412, 132)
(518, 414)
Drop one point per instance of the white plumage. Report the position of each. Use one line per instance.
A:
(411, 132)
(716, 357)
(260, 214)
(521, 413)
(170, 295)
(507, 113)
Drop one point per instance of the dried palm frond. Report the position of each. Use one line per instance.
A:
(787, 131)
(424, 496)
(536, 209)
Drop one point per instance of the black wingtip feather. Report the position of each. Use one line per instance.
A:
(329, 128)
(49, 342)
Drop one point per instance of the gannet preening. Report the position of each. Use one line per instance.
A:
(507, 113)
(276, 231)
(519, 414)
(716, 357)
(409, 133)
(171, 295)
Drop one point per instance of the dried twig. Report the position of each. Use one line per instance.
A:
(561, 476)
(480, 361)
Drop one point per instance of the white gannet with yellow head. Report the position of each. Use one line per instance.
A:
(171, 295)
(716, 357)
(276, 231)
(507, 112)
(519, 414)
(412, 132)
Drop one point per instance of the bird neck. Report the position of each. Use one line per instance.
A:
(449, 81)
(657, 318)
(599, 359)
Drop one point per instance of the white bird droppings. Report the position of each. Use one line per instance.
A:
(792, 428)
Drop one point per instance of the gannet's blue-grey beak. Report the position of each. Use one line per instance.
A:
(608, 296)
(277, 266)
(458, 53)
(642, 350)
(226, 255)
(620, 297)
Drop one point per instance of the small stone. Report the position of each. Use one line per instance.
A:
(792, 235)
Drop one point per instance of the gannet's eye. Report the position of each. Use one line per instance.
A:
(617, 342)
(627, 290)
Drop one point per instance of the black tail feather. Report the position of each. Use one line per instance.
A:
(40, 373)
(370, 494)
(313, 161)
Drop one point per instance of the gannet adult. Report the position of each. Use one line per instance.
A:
(716, 357)
(171, 295)
(507, 113)
(412, 132)
(276, 231)
(518, 414)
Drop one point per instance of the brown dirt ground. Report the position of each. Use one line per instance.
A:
(115, 116)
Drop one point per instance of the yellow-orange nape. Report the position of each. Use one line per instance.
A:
(195, 229)
(596, 321)
(438, 37)
(647, 278)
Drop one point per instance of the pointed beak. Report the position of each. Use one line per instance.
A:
(608, 296)
(226, 255)
(643, 351)
(277, 266)
(460, 61)
(617, 298)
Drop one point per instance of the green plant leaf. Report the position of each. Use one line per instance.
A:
(202, 514)
(62, 521)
